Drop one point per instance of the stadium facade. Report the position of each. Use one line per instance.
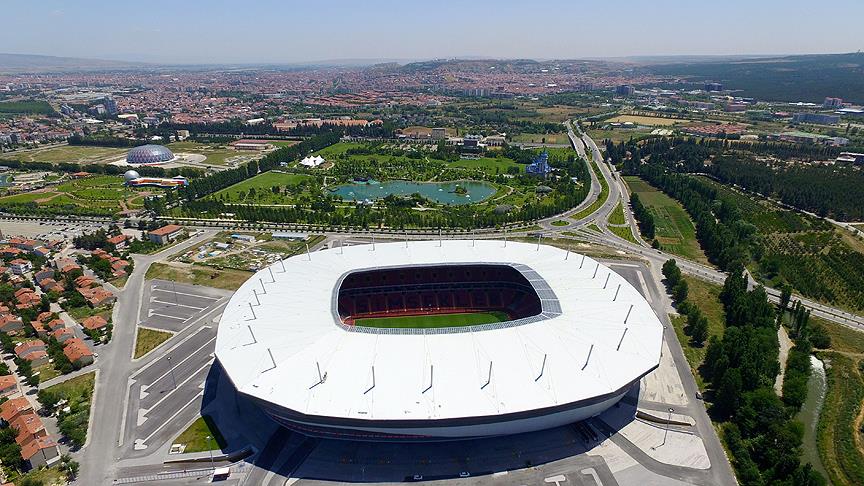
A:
(577, 336)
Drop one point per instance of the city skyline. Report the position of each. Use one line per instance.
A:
(269, 32)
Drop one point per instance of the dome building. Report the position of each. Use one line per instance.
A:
(149, 154)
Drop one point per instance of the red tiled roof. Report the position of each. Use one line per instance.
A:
(166, 230)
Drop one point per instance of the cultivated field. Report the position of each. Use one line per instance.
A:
(434, 321)
(674, 229)
(654, 121)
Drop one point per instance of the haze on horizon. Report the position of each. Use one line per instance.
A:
(270, 31)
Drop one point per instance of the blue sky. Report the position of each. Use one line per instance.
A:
(197, 31)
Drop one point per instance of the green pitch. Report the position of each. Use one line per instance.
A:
(436, 320)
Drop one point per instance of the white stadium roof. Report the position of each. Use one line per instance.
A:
(539, 363)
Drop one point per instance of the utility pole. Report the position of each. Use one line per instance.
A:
(171, 370)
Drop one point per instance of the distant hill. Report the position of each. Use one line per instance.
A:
(781, 78)
(27, 63)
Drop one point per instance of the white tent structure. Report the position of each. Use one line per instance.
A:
(312, 161)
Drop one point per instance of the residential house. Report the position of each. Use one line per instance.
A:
(32, 351)
(8, 385)
(40, 451)
(27, 298)
(119, 241)
(97, 296)
(63, 335)
(51, 285)
(43, 273)
(77, 351)
(11, 252)
(165, 234)
(11, 324)
(14, 407)
(19, 266)
(94, 323)
(85, 282)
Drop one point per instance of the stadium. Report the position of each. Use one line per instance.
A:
(436, 340)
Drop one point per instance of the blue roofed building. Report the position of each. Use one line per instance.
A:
(540, 166)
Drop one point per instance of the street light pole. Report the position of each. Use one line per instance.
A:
(667, 426)
(171, 370)
(212, 465)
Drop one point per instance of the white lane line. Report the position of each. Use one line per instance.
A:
(150, 313)
(645, 287)
(157, 289)
(172, 348)
(178, 412)
(179, 386)
(191, 355)
(175, 304)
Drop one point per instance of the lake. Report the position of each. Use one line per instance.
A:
(440, 192)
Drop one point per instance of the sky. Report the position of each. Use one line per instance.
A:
(288, 31)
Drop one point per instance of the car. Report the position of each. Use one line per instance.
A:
(698, 395)
(417, 477)
(464, 474)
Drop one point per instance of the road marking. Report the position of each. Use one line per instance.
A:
(178, 387)
(157, 289)
(645, 286)
(150, 313)
(593, 473)
(623, 265)
(191, 355)
(166, 422)
(176, 304)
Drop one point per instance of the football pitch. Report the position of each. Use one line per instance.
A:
(435, 320)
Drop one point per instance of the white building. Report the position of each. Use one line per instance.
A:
(312, 161)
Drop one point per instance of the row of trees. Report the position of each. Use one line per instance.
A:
(697, 323)
(741, 368)
(643, 217)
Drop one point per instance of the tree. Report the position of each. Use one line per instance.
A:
(699, 331)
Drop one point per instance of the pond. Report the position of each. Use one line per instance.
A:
(809, 414)
(440, 192)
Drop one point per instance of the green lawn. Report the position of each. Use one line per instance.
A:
(70, 153)
(491, 165)
(617, 215)
(262, 185)
(706, 297)
(556, 138)
(674, 229)
(216, 154)
(559, 223)
(149, 339)
(623, 232)
(195, 436)
(433, 321)
(228, 279)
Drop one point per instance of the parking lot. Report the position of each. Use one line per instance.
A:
(172, 306)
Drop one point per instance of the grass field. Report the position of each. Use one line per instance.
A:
(616, 135)
(262, 185)
(559, 222)
(228, 279)
(195, 436)
(496, 165)
(623, 232)
(434, 321)
(674, 229)
(216, 154)
(557, 138)
(99, 194)
(647, 120)
(148, 340)
(69, 153)
(617, 216)
(706, 297)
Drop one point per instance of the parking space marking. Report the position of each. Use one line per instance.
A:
(179, 386)
(175, 304)
(199, 296)
(187, 358)
(150, 313)
(178, 412)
